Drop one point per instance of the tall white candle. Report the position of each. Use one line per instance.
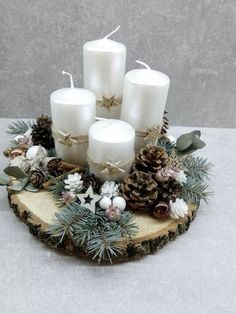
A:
(73, 112)
(111, 147)
(144, 99)
(104, 70)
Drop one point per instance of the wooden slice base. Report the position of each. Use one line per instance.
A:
(37, 211)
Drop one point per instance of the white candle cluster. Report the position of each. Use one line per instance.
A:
(110, 141)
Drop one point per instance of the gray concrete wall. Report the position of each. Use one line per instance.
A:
(193, 41)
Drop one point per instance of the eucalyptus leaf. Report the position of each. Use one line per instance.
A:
(4, 179)
(184, 141)
(198, 143)
(19, 186)
(16, 172)
(29, 187)
(196, 132)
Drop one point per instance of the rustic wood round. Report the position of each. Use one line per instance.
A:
(37, 211)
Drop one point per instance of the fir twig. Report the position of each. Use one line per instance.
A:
(105, 245)
(193, 191)
(19, 127)
(198, 168)
(94, 233)
(166, 144)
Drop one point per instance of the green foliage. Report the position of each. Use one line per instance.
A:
(19, 185)
(198, 168)
(189, 142)
(19, 127)
(166, 144)
(193, 191)
(15, 172)
(93, 233)
(4, 179)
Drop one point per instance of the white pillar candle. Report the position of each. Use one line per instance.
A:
(144, 99)
(104, 70)
(73, 111)
(111, 149)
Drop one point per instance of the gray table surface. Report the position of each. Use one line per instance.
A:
(193, 274)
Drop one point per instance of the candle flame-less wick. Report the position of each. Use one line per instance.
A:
(71, 78)
(144, 64)
(115, 30)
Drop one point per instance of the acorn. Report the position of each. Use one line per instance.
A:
(161, 211)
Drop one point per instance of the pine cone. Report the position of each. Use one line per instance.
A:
(165, 126)
(36, 178)
(139, 190)
(42, 132)
(169, 190)
(54, 167)
(150, 159)
(92, 180)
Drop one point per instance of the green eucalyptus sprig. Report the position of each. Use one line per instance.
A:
(189, 142)
(16, 180)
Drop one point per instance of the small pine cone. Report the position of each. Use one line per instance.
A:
(169, 190)
(139, 190)
(54, 167)
(151, 159)
(113, 213)
(92, 180)
(36, 178)
(42, 132)
(165, 126)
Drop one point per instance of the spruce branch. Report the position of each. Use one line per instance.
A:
(166, 144)
(198, 168)
(19, 127)
(193, 191)
(93, 233)
(105, 245)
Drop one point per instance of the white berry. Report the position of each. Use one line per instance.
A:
(36, 151)
(105, 202)
(119, 202)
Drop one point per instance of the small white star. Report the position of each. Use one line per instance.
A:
(89, 199)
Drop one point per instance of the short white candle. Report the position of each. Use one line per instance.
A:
(104, 70)
(73, 111)
(111, 141)
(144, 98)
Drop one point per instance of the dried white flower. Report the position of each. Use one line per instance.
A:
(181, 177)
(178, 208)
(74, 182)
(21, 162)
(109, 189)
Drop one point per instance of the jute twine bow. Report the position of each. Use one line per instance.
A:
(67, 139)
(111, 169)
(151, 134)
(109, 102)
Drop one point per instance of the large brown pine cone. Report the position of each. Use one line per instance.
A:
(169, 190)
(150, 159)
(92, 180)
(42, 132)
(139, 190)
(36, 178)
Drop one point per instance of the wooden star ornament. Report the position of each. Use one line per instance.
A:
(89, 199)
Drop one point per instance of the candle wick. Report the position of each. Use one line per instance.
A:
(71, 78)
(144, 64)
(115, 30)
